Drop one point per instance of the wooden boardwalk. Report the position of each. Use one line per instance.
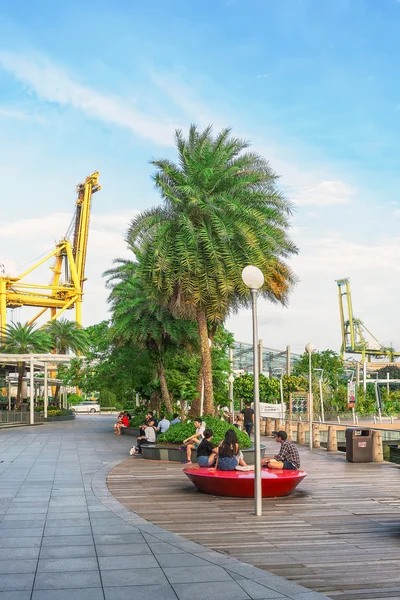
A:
(339, 533)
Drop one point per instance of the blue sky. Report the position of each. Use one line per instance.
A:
(313, 84)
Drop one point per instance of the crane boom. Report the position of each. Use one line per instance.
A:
(63, 292)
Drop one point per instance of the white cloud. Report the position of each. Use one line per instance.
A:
(323, 193)
(54, 84)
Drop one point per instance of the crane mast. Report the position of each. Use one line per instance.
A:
(65, 290)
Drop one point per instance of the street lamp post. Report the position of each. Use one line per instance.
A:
(254, 279)
(310, 350)
(231, 379)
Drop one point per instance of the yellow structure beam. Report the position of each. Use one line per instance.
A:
(65, 290)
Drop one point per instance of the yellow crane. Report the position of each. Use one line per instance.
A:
(356, 338)
(65, 290)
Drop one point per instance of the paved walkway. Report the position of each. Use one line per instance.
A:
(63, 536)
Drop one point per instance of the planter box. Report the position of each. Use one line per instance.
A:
(173, 454)
(130, 431)
(61, 418)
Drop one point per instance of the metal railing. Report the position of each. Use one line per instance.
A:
(19, 417)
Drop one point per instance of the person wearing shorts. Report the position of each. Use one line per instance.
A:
(287, 458)
(193, 442)
(206, 452)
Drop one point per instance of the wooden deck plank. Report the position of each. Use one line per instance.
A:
(338, 533)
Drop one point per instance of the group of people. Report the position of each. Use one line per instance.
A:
(227, 455)
(151, 427)
(122, 421)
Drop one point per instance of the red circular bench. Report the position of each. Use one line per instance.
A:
(241, 483)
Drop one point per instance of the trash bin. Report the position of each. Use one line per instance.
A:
(359, 444)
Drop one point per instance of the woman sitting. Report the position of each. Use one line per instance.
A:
(123, 422)
(229, 455)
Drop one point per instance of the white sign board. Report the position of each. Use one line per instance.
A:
(274, 411)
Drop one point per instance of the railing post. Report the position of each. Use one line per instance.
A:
(301, 438)
(332, 439)
(288, 429)
(377, 448)
(269, 426)
(277, 424)
(315, 434)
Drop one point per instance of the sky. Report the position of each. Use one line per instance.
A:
(314, 85)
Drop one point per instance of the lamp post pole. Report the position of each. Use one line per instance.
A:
(254, 279)
(310, 350)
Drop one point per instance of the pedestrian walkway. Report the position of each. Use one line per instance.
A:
(63, 535)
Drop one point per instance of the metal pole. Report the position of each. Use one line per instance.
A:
(288, 366)
(202, 397)
(32, 393)
(137, 399)
(230, 385)
(365, 377)
(322, 400)
(282, 403)
(46, 389)
(257, 454)
(9, 395)
(310, 401)
(388, 385)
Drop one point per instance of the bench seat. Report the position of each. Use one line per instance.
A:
(240, 484)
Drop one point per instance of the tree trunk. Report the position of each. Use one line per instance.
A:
(164, 389)
(196, 402)
(154, 402)
(21, 373)
(206, 364)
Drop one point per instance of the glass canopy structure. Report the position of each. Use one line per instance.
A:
(274, 362)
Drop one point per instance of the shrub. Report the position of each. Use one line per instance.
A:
(179, 432)
(59, 412)
(74, 399)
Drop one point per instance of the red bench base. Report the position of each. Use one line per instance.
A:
(240, 484)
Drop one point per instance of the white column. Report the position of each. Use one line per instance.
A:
(46, 390)
(32, 393)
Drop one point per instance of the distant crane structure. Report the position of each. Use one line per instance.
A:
(65, 290)
(356, 338)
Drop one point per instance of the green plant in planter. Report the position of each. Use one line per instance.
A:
(179, 432)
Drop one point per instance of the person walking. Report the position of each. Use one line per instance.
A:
(248, 418)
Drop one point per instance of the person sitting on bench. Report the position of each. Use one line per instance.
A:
(229, 455)
(193, 442)
(149, 437)
(123, 422)
(207, 452)
(288, 456)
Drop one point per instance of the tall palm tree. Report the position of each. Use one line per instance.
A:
(24, 339)
(138, 319)
(67, 336)
(221, 211)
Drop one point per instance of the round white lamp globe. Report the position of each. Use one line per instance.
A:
(231, 379)
(310, 348)
(253, 277)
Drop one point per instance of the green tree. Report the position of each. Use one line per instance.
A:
(139, 319)
(24, 339)
(243, 388)
(221, 212)
(67, 336)
(328, 360)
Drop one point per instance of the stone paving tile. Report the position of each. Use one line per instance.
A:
(196, 574)
(70, 580)
(122, 549)
(128, 538)
(18, 566)
(164, 548)
(15, 595)
(140, 592)
(76, 594)
(68, 552)
(57, 565)
(112, 563)
(9, 582)
(68, 540)
(226, 590)
(127, 577)
(181, 560)
(257, 591)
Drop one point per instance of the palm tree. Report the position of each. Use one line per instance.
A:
(140, 320)
(67, 336)
(24, 339)
(221, 212)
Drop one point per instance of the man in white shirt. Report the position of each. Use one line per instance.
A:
(193, 442)
(149, 437)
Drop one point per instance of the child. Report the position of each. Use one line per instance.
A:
(192, 442)
(123, 422)
(206, 452)
(229, 455)
(238, 422)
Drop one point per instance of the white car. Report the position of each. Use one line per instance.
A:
(88, 407)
